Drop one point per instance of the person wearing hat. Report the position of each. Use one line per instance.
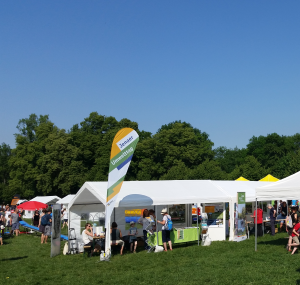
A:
(132, 236)
(165, 231)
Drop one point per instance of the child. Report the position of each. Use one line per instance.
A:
(132, 236)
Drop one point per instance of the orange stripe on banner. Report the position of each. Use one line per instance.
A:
(116, 191)
(120, 134)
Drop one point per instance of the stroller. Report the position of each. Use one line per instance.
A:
(151, 242)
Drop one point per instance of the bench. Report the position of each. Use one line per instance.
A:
(88, 249)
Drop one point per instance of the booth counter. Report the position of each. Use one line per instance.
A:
(180, 235)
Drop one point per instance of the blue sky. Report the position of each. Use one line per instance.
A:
(230, 68)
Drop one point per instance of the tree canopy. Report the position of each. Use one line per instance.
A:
(48, 160)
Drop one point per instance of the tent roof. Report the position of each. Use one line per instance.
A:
(269, 178)
(66, 200)
(241, 178)
(284, 189)
(46, 199)
(164, 192)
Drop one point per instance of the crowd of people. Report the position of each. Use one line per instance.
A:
(288, 219)
(10, 217)
(147, 219)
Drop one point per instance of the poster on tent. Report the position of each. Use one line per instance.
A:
(240, 217)
(55, 237)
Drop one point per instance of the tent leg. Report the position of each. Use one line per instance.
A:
(197, 222)
(156, 226)
(256, 225)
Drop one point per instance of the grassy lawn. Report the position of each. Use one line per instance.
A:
(25, 261)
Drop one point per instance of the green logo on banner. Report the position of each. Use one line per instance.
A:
(241, 198)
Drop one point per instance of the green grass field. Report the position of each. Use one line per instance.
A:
(25, 261)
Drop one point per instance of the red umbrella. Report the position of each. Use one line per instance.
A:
(32, 205)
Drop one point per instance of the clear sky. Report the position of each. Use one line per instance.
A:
(230, 68)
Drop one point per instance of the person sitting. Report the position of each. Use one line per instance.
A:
(87, 237)
(115, 236)
(295, 236)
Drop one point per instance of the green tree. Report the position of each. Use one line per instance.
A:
(228, 159)
(173, 143)
(208, 170)
(252, 170)
(5, 153)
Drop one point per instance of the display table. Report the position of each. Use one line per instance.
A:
(183, 235)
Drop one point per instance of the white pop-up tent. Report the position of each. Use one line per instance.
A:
(49, 200)
(66, 200)
(91, 198)
(285, 189)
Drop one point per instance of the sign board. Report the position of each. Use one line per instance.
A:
(240, 217)
(55, 236)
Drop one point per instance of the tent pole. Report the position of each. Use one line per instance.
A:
(256, 225)
(197, 222)
(156, 225)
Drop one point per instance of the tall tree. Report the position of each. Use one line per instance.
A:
(5, 153)
(173, 143)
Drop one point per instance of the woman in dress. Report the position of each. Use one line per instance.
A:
(36, 218)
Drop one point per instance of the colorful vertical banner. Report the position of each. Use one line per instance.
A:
(122, 150)
(240, 217)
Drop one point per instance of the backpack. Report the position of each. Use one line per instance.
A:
(289, 222)
(169, 225)
(44, 220)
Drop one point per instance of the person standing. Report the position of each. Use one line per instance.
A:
(7, 215)
(272, 218)
(46, 221)
(290, 230)
(36, 218)
(282, 213)
(133, 232)
(145, 221)
(65, 217)
(14, 221)
(259, 214)
(165, 231)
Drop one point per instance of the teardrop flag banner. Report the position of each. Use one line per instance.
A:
(122, 150)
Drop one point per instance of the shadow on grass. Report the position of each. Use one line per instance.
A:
(279, 242)
(14, 258)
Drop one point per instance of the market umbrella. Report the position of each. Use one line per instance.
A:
(32, 205)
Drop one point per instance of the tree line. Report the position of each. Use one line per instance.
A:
(48, 160)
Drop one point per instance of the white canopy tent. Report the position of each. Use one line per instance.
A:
(49, 200)
(66, 200)
(285, 189)
(144, 194)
